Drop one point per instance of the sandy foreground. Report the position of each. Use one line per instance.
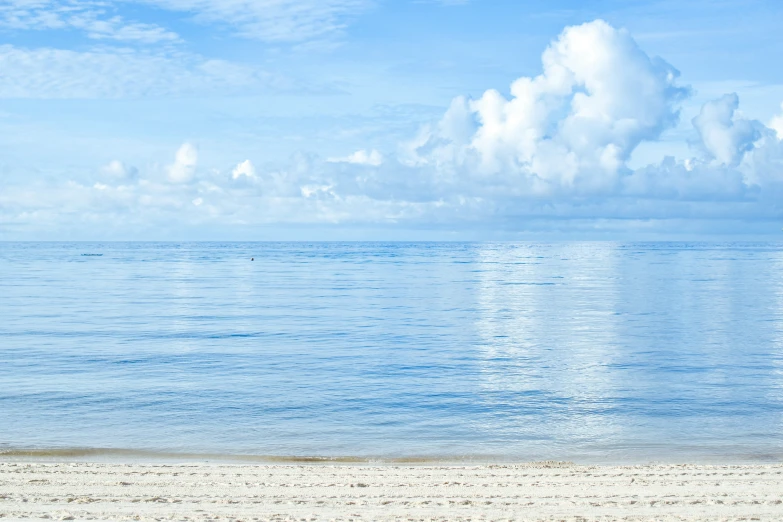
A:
(108, 491)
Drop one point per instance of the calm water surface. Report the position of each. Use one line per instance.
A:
(585, 351)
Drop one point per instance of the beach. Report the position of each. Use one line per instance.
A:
(543, 491)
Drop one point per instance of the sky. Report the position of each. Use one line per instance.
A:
(379, 119)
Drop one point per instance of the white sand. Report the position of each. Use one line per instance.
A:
(106, 491)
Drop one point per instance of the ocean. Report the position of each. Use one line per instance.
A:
(594, 352)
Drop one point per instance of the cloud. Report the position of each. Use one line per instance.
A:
(553, 151)
(723, 135)
(122, 73)
(575, 125)
(371, 158)
(776, 124)
(183, 170)
(277, 21)
(244, 170)
(118, 171)
(90, 17)
(559, 146)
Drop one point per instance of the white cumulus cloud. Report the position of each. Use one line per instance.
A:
(577, 123)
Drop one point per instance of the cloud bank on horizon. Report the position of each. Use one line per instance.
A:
(557, 148)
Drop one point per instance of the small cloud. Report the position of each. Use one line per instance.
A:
(245, 169)
(183, 169)
(198, 202)
(776, 124)
(371, 158)
(311, 191)
(117, 170)
(725, 136)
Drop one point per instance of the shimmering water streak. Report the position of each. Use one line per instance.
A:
(585, 351)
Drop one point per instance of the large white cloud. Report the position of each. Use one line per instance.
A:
(575, 125)
(559, 145)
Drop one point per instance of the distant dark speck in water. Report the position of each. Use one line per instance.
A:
(252, 258)
(92, 255)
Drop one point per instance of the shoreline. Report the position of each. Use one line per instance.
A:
(258, 492)
(625, 458)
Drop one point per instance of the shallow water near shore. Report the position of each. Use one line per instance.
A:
(597, 351)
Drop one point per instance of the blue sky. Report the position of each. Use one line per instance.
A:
(372, 119)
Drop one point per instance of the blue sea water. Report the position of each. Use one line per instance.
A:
(596, 351)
